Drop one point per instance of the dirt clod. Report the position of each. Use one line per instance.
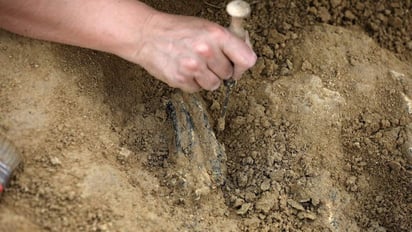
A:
(318, 134)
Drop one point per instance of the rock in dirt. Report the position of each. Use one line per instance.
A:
(335, 3)
(409, 45)
(324, 14)
(238, 203)
(306, 66)
(55, 161)
(307, 215)
(314, 128)
(268, 201)
(244, 208)
(294, 204)
(265, 185)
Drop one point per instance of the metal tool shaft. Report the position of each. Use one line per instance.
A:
(238, 10)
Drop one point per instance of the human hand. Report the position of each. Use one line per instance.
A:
(191, 53)
(185, 52)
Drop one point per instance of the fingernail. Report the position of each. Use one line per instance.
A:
(216, 87)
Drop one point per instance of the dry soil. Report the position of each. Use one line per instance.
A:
(318, 134)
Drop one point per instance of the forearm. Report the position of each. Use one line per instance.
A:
(185, 52)
(113, 26)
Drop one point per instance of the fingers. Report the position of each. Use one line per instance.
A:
(240, 53)
(221, 66)
(190, 86)
(211, 64)
(185, 83)
(216, 61)
(196, 55)
(195, 75)
(208, 80)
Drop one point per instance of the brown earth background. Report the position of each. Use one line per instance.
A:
(318, 135)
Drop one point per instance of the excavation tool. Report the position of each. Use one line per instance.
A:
(10, 158)
(199, 160)
(238, 10)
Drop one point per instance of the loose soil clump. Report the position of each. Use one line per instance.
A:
(318, 134)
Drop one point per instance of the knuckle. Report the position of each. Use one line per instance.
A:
(204, 49)
(179, 80)
(190, 64)
(217, 31)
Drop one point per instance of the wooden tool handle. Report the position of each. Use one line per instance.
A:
(238, 10)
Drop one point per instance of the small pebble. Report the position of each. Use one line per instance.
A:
(267, 51)
(295, 205)
(315, 200)
(335, 3)
(306, 66)
(349, 15)
(102, 227)
(409, 45)
(215, 105)
(124, 153)
(258, 68)
(289, 64)
(395, 165)
(396, 22)
(270, 66)
(55, 161)
(284, 71)
(268, 201)
(250, 196)
(313, 10)
(238, 203)
(244, 209)
(265, 185)
(396, 74)
(379, 198)
(286, 26)
(306, 215)
(324, 14)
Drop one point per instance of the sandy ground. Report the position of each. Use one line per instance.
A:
(318, 133)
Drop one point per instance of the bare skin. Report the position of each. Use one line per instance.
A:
(185, 52)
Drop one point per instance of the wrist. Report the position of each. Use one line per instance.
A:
(128, 35)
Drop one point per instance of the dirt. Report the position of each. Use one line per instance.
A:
(318, 134)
